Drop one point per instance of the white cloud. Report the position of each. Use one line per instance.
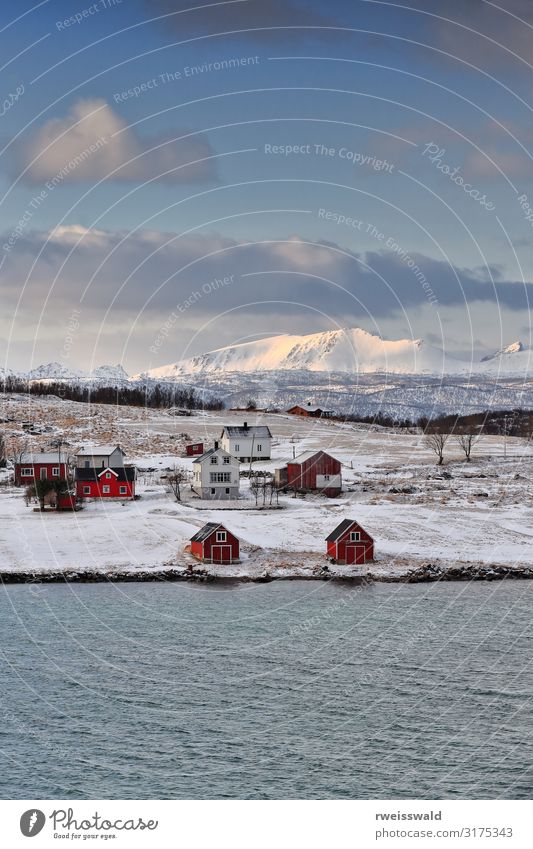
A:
(93, 142)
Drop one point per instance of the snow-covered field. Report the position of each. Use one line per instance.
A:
(482, 514)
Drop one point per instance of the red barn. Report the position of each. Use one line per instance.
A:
(106, 483)
(196, 449)
(313, 471)
(349, 543)
(215, 544)
(41, 465)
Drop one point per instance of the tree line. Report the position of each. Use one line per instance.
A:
(153, 395)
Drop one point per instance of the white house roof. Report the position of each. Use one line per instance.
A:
(99, 450)
(211, 451)
(42, 457)
(252, 430)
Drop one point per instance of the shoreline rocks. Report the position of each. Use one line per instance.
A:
(426, 573)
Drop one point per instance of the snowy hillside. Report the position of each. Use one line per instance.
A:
(342, 351)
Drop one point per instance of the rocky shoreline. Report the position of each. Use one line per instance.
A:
(425, 573)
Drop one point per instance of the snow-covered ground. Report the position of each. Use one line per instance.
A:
(482, 514)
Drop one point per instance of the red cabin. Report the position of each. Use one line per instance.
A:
(350, 544)
(313, 471)
(106, 483)
(215, 544)
(44, 466)
(310, 411)
(196, 449)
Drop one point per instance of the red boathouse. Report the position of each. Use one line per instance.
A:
(313, 471)
(215, 544)
(349, 544)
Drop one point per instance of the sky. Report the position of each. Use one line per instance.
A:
(180, 176)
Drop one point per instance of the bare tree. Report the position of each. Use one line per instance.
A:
(466, 442)
(437, 443)
(176, 479)
(17, 451)
(255, 487)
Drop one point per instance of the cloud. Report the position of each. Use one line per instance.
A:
(216, 290)
(260, 16)
(150, 272)
(93, 142)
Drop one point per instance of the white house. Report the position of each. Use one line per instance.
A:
(216, 474)
(247, 442)
(100, 457)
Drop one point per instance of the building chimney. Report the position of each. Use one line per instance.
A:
(216, 445)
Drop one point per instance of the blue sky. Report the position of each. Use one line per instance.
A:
(330, 155)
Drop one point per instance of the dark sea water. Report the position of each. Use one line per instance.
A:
(281, 690)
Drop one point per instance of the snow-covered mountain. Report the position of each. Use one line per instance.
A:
(349, 351)
(50, 372)
(53, 371)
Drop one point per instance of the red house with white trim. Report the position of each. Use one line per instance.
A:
(349, 543)
(312, 471)
(215, 544)
(106, 483)
(41, 465)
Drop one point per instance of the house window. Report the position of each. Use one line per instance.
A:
(86, 490)
(227, 491)
(87, 464)
(226, 461)
(259, 447)
(220, 477)
(106, 490)
(221, 536)
(214, 461)
(55, 471)
(213, 491)
(27, 472)
(355, 536)
(108, 475)
(237, 447)
(123, 490)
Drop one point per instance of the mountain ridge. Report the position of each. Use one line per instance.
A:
(350, 350)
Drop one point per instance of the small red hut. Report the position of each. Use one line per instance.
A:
(196, 449)
(215, 544)
(349, 543)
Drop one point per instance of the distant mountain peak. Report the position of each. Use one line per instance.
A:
(513, 348)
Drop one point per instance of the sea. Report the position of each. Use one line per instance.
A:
(283, 690)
